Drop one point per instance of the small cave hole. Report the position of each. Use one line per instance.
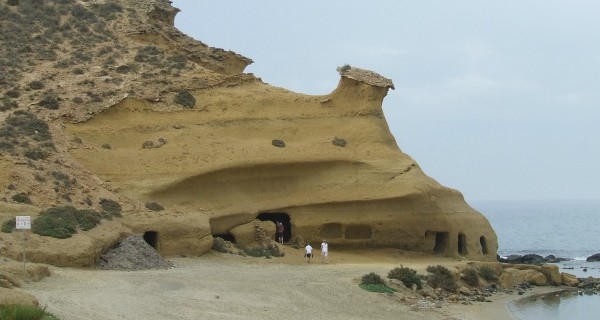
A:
(151, 238)
(462, 244)
(483, 243)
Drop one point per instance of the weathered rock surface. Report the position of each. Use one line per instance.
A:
(134, 77)
(569, 279)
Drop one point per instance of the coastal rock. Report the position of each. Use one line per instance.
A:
(513, 277)
(569, 279)
(553, 259)
(144, 79)
(594, 257)
(552, 274)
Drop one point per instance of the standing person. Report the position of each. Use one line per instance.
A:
(308, 252)
(324, 251)
(280, 229)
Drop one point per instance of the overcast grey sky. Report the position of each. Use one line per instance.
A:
(498, 99)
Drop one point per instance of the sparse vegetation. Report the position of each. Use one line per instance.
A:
(9, 225)
(470, 276)
(407, 275)
(22, 312)
(110, 208)
(488, 274)
(185, 99)
(50, 102)
(374, 283)
(36, 85)
(441, 277)
(271, 250)
(63, 222)
(219, 245)
(21, 198)
(344, 68)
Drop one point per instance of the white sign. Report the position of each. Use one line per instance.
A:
(23, 222)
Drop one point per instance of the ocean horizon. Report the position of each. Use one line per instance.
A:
(563, 228)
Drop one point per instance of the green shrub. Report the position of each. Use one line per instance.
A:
(9, 225)
(470, 276)
(21, 198)
(374, 283)
(87, 219)
(488, 274)
(219, 245)
(25, 123)
(110, 208)
(63, 222)
(35, 154)
(123, 69)
(154, 206)
(22, 312)
(441, 277)
(379, 288)
(408, 276)
(36, 85)
(268, 251)
(372, 278)
(50, 102)
(344, 68)
(185, 99)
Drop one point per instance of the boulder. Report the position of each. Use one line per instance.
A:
(568, 279)
(553, 259)
(552, 274)
(253, 232)
(594, 257)
(511, 277)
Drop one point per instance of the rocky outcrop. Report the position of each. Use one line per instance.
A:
(335, 171)
(594, 257)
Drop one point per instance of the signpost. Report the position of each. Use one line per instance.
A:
(23, 223)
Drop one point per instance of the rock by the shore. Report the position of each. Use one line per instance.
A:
(532, 259)
(133, 253)
(594, 257)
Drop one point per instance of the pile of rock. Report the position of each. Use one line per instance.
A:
(133, 253)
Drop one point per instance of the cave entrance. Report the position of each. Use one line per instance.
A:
(462, 244)
(225, 236)
(440, 242)
(151, 238)
(483, 243)
(278, 216)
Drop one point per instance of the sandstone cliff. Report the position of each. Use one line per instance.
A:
(108, 101)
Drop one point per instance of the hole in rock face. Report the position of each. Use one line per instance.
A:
(151, 238)
(225, 236)
(358, 231)
(462, 244)
(278, 216)
(441, 241)
(483, 243)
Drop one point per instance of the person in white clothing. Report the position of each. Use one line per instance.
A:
(324, 251)
(308, 252)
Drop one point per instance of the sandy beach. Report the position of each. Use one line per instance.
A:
(225, 286)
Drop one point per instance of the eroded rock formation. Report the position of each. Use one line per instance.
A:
(238, 150)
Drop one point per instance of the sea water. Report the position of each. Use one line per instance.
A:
(564, 228)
